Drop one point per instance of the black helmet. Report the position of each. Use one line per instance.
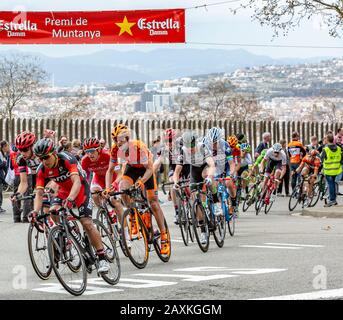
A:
(43, 147)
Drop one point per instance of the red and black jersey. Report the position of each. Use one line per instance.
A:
(29, 166)
(66, 167)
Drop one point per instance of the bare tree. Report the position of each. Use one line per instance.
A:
(187, 107)
(21, 77)
(215, 96)
(75, 106)
(283, 15)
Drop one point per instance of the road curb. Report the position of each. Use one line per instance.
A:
(332, 212)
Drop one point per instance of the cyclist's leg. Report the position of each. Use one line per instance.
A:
(304, 173)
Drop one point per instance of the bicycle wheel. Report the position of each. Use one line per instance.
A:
(315, 195)
(38, 251)
(188, 209)
(294, 198)
(157, 238)
(134, 238)
(199, 229)
(249, 199)
(183, 224)
(61, 251)
(219, 231)
(268, 206)
(260, 202)
(111, 254)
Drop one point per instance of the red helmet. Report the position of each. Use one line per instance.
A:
(314, 153)
(25, 139)
(91, 143)
(169, 134)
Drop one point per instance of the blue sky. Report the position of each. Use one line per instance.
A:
(216, 24)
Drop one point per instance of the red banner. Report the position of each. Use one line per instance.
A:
(93, 27)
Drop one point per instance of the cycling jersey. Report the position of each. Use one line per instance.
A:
(281, 157)
(99, 168)
(246, 161)
(61, 174)
(312, 163)
(296, 152)
(236, 151)
(66, 167)
(137, 155)
(259, 160)
(221, 156)
(197, 159)
(170, 153)
(29, 165)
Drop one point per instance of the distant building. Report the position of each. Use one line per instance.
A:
(152, 86)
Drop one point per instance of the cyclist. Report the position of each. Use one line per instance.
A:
(224, 162)
(65, 171)
(246, 164)
(309, 167)
(276, 160)
(27, 164)
(195, 153)
(96, 161)
(138, 171)
(257, 162)
(168, 154)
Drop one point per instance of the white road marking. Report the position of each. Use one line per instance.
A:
(187, 277)
(296, 245)
(143, 283)
(243, 271)
(270, 247)
(322, 294)
(91, 290)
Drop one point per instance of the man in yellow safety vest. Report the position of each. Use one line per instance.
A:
(332, 166)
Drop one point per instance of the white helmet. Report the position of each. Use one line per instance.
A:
(215, 134)
(277, 147)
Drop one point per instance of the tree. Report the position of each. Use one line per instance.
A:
(21, 77)
(215, 96)
(187, 106)
(75, 106)
(286, 14)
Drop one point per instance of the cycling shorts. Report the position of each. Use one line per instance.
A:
(277, 165)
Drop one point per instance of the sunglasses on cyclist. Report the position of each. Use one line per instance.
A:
(24, 149)
(47, 156)
(89, 151)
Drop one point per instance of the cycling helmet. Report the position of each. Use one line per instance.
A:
(214, 135)
(189, 139)
(91, 143)
(314, 153)
(169, 135)
(43, 147)
(120, 130)
(245, 147)
(232, 141)
(25, 139)
(277, 147)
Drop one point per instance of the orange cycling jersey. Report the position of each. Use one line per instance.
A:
(312, 163)
(296, 151)
(137, 154)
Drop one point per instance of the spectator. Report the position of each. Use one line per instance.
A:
(4, 151)
(296, 152)
(103, 145)
(339, 136)
(76, 149)
(68, 147)
(16, 206)
(332, 160)
(314, 145)
(263, 145)
(49, 134)
(322, 144)
(285, 180)
(62, 143)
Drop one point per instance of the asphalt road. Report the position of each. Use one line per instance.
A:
(276, 255)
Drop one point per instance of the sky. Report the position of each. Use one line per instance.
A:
(215, 24)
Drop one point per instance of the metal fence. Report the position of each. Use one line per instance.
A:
(148, 130)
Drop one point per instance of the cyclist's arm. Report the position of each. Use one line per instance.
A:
(109, 174)
(211, 167)
(262, 164)
(75, 189)
(232, 166)
(38, 199)
(300, 167)
(24, 184)
(157, 164)
(149, 170)
(283, 171)
(177, 173)
(238, 165)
